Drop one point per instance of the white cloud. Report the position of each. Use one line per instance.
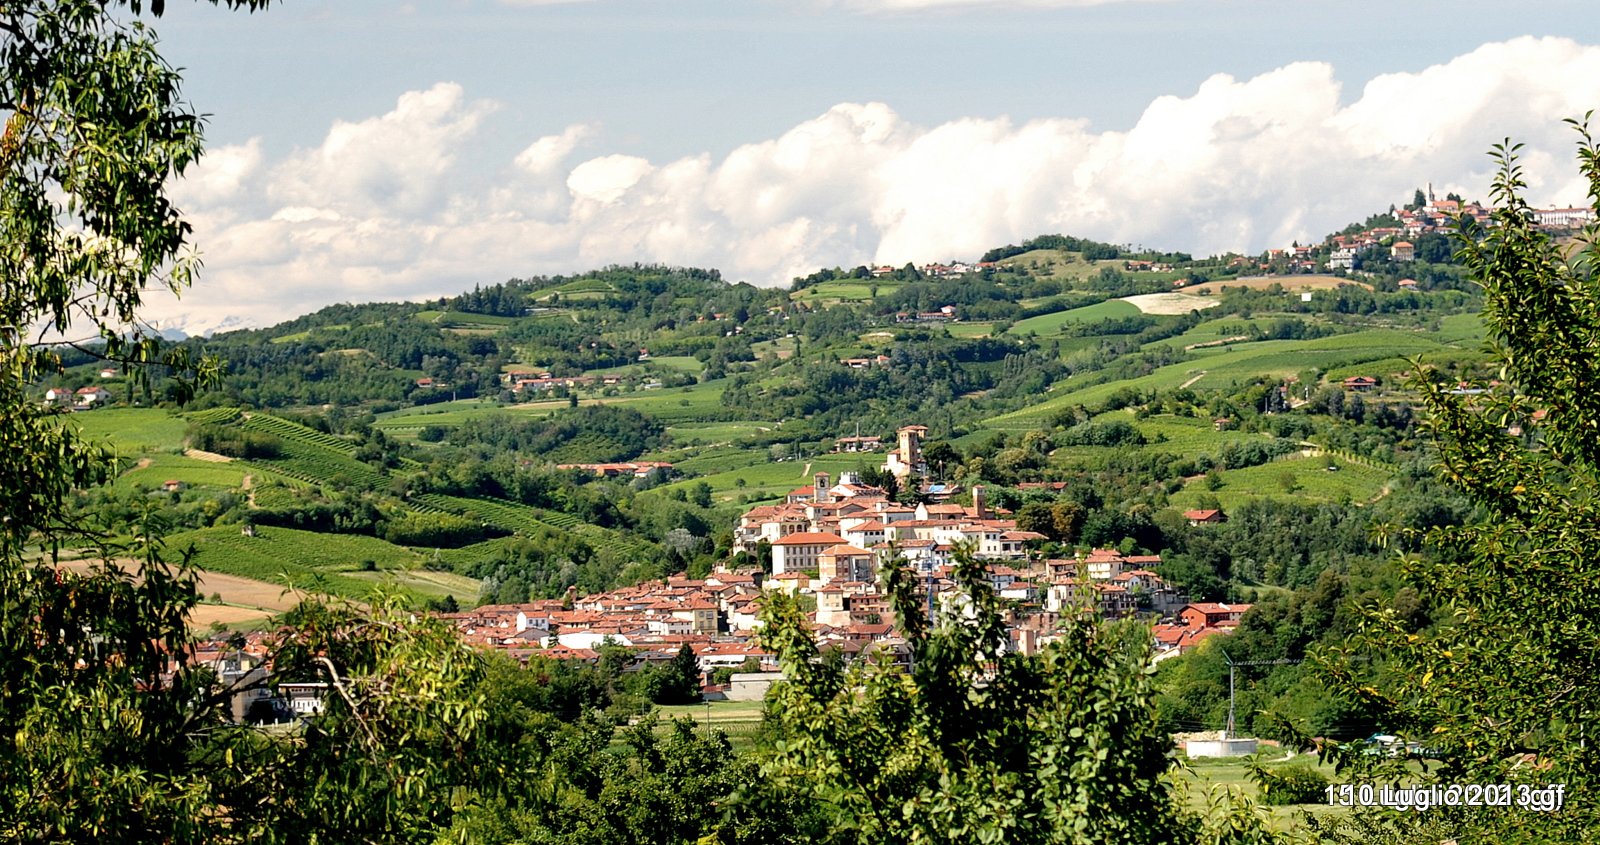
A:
(606, 179)
(398, 205)
(544, 155)
(921, 5)
(399, 162)
(220, 174)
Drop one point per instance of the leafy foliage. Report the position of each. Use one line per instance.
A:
(1506, 690)
(975, 742)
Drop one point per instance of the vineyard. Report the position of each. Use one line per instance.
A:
(530, 521)
(305, 560)
(214, 416)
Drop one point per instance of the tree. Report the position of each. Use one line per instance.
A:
(684, 677)
(92, 130)
(113, 733)
(976, 742)
(1505, 690)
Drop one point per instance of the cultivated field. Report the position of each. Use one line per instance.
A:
(133, 430)
(1048, 324)
(1288, 283)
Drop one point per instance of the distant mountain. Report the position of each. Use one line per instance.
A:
(184, 326)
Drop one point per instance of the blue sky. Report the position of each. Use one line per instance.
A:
(380, 150)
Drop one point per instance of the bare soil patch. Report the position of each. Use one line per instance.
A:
(257, 597)
(1170, 303)
(206, 615)
(201, 455)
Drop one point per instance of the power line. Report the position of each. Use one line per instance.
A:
(1228, 731)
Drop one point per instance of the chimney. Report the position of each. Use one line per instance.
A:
(978, 511)
(819, 492)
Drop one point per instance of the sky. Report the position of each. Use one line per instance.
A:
(368, 150)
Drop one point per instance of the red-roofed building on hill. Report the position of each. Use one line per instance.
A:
(802, 551)
(845, 562)
(1212, 614)
(1205, 517)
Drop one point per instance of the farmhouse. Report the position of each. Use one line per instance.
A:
(88, 397)
(633, 469)
(858, 443)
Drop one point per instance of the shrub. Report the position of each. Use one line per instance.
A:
(1296, 784)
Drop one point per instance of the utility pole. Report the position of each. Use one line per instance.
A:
(1227, 732)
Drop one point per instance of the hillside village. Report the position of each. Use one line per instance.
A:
(639, 456)
(827, 542)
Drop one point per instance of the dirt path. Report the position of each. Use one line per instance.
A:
(143, 462)
(1193, 380)
(248, 485)
(200, 455)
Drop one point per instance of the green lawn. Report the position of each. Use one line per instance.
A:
(1203, 775)
(739, 720)
(681, 363)
(845, 290)
(771, 479)
(970, 329)
(1048, 324)
(1308, 478)
(693, 433)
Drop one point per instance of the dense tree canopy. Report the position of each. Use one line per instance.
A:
(1506, 691)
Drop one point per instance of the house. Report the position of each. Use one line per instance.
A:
(1403, 251)
(108, 372)
(1408, 284)
(88, 397)
(305, 699)
(172, 485)
(56, 394)
(1212, 614)
(858, 443)
(845, 562)
(1205, 517)
(1360, 383)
